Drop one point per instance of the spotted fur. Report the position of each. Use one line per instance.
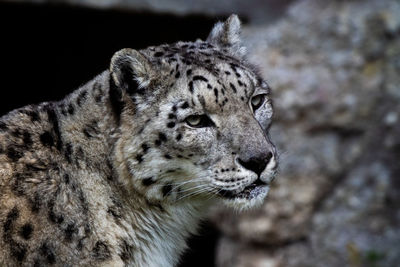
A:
(121, 171)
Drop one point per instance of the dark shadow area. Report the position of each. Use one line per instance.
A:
(202, 247)
(47, 51)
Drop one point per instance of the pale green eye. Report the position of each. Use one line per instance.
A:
(193, 120)
(199, 121)
(257, 101)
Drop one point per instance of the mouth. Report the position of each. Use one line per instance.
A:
(249, 192)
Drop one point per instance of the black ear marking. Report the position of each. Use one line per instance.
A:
(131, 84)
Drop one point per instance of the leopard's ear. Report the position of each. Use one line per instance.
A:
(227, 35)
(131, 71)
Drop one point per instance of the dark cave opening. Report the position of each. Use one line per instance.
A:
(47, 51)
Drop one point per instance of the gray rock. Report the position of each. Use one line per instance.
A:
(335, 72)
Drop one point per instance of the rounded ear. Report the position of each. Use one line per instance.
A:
(227, 35)
(131, 70)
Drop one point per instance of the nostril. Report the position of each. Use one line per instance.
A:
(269, 157)
(256, 164)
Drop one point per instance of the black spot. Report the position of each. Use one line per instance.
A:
(81, 97)
(177, 75)
(27, 138)
(47, 253)
(171, 116)
(207, 61)
(97, 92)
(14, 153)
(185, 105)
(69, 231)
(191, 89)
(216, 93)
(178, 137)
(199, 78)
(12, 216)
(33, 115)
(145, 147)
(71, 109)
(114, 213)
(161, 138)
(53, 119)
(158, 54)
(171, 124)
(87, 133)
(66, 178)
(166, 189)
(148, 181)
(167, 156)
(126, 251)
(238, 74)
(233, 66)
(87, 229)
(84, 204)
(35, 203)
(240, 83)
(101, 251)
(26, 231)
(46, 139)
(68, 152)
(16, 133)
(18, 251)
(233, 88)
(188, 72)
(139, 158)
(17, 186)
(227, 73)
(209, 86)
(62, 109)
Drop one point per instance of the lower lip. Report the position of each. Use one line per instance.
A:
(249, 192)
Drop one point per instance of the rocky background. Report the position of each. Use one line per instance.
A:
(335, 70)
(334, 67)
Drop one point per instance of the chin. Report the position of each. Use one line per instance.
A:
(247, 199)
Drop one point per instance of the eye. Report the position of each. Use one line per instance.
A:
(199, 121)
(257, 101)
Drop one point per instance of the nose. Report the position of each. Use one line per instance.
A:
(256, 164)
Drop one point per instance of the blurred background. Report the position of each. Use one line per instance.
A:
(334, 67)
